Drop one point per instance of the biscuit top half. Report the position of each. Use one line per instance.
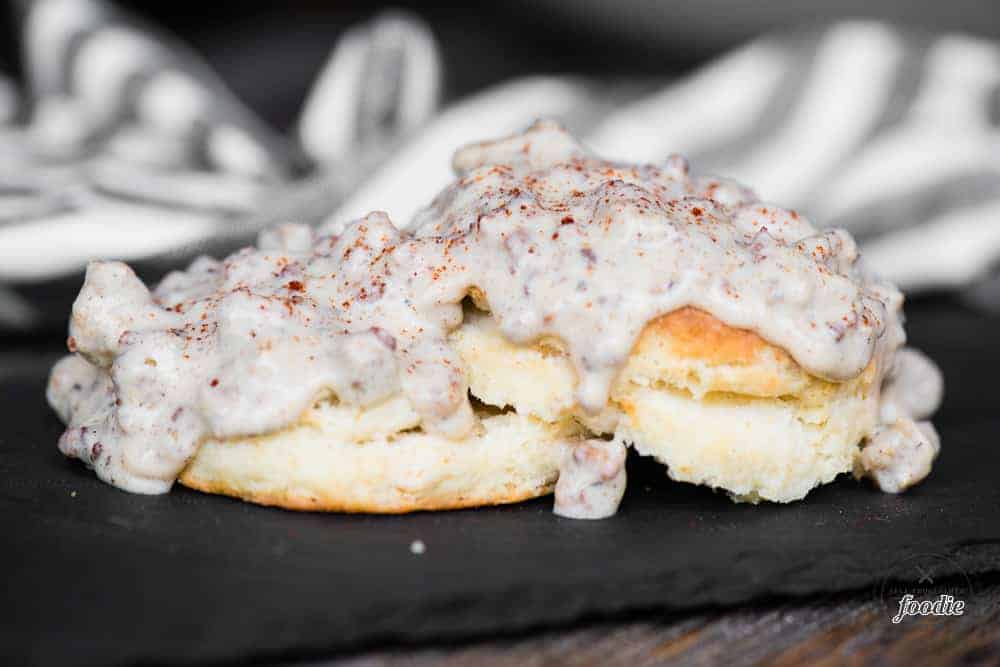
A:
(553, 241)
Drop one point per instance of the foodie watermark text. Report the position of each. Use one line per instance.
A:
(944, 605)
(925, 586)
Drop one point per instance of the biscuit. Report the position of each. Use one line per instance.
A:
(547, 310)
(718, 405)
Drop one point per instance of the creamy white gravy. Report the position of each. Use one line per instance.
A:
(591, 480)
(561, 243)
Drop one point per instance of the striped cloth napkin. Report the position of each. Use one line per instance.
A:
(124, 145)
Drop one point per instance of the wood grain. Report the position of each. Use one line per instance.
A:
(831, 630)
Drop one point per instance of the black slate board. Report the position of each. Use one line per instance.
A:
(94, 575)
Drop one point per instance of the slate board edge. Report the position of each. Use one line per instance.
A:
(457, 621)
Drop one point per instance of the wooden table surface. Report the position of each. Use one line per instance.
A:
(829, 630)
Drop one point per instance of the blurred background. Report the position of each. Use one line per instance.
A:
(269, 53)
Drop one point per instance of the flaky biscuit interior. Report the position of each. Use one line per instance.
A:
(718, 405)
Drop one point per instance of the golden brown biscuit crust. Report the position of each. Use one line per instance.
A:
(694, 333)
(331, 503)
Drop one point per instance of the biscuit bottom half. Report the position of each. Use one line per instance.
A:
(717, 405)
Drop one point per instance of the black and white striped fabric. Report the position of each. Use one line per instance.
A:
(890, 134)
(123, 145)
